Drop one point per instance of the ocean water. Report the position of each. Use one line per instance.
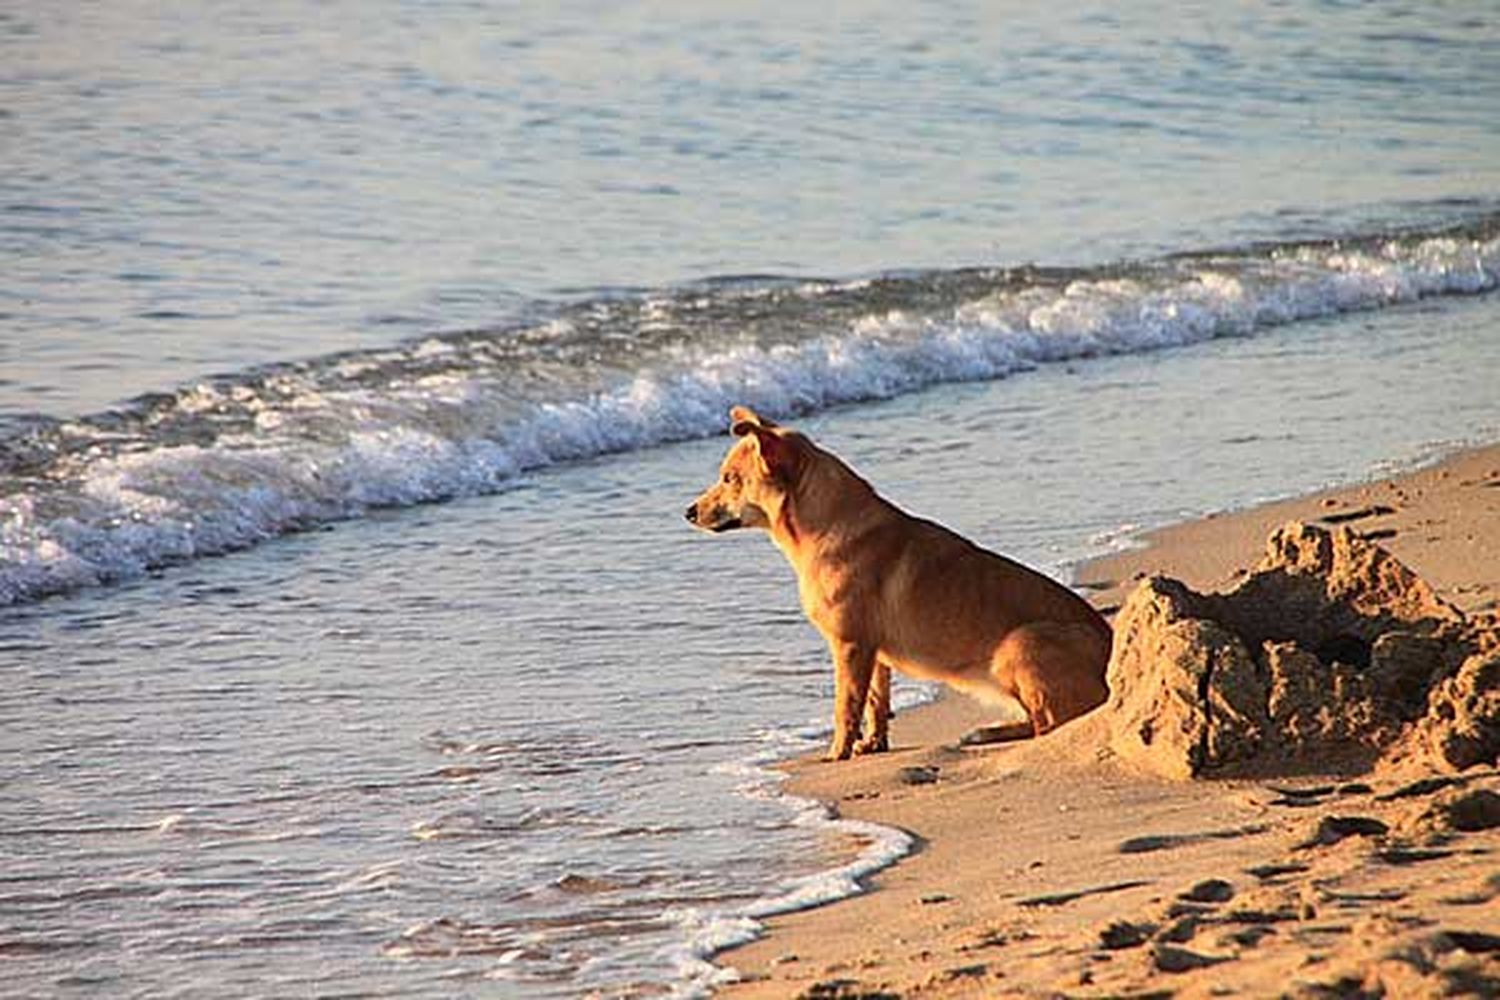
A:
(426, 318)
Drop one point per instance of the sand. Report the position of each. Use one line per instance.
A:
(1443, 521)
(1046, 868)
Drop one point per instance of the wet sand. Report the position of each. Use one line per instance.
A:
(1046, 868)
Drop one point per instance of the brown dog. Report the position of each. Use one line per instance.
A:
(890, 590)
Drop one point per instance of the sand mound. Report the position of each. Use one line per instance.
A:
(1330, 655)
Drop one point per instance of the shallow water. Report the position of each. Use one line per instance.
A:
(465, 707)
(502, 741)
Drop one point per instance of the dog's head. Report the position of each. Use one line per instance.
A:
(753, 478)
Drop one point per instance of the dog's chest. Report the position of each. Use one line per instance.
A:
(830, 595)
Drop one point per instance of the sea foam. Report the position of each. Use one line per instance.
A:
(225, 464)
(704, 933)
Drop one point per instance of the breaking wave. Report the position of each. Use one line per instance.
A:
(233, 460)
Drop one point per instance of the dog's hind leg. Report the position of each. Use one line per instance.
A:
(1056, 670)
(873, 737)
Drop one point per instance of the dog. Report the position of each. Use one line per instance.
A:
(889, 590)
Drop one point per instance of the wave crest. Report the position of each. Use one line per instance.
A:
(227, 463)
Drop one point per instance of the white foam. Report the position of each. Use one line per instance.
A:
(1128, 537)
(706, 933)
(317, 454)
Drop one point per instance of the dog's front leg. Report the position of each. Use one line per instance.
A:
(853, 667)
(873, 738)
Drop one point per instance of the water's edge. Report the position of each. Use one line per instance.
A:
(710, 935)
(1142, 537)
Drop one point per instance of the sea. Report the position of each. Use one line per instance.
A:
(357, 362)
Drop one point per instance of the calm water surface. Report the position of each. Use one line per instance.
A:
(188, 191)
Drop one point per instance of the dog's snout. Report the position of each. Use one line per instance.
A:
(691, 513)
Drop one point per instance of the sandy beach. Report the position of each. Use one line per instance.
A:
(1053, 868)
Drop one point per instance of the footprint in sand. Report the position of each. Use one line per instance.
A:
(1359, 514)
(1124, 934)
(1269, 872)
(1168, 841)
(1170, 958)
(1332, 829)
(845, 989)
(1213, 890)
(1248, 937)
(1487, 890)
(1062, 898)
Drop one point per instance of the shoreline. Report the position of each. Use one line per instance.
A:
(1022, 880)
(1418, 515)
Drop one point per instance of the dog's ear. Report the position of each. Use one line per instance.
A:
(742, 420)
(778, 452)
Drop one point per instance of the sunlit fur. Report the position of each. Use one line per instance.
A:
(888, 590)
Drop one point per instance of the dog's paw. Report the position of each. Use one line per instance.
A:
(838, 751)
(871, 744)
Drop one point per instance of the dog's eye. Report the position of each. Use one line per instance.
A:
(729, 479)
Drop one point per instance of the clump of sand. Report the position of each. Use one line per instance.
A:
(1329, 654)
